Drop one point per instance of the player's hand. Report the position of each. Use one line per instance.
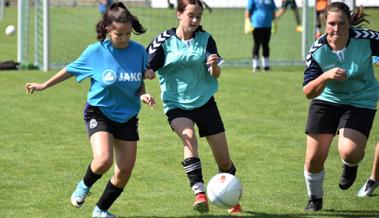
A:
(31, 87)
(149, 74)
(336, 74)
(148, 99)
(212, 60)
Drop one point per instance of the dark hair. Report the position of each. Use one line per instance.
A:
(355, 17)
(182, 4)
(118, 13)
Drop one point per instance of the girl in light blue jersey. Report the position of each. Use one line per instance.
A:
(340, 80)
(186, 61)
(261, 13)
(115, 65)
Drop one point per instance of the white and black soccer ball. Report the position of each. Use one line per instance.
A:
(224, 190)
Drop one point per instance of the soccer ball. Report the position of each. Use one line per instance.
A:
(224, 190)
(10, 30)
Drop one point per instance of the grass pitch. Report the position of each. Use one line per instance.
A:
(45, 151)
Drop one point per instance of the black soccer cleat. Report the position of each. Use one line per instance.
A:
(348, 176)
(314, 204)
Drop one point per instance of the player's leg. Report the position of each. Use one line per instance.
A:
(322, 123)
(125, 157)
(318, 24)
(355, 127)
(351, 146)
(125, 150)
(373, 181)
(101, 143)
(257, 37)
(266, 36)
(209, 122)
(296, 13)
(316, 154)
(181, 122)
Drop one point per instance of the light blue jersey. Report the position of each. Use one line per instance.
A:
(181, 67)
(360, 88)
(261, 12)
(116, 76)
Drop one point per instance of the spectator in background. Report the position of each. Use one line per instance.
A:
(261, 14)
(104, 5)
(321, 6)
(293, 5)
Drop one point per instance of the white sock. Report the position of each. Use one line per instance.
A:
(349, 164)
(265, 62)
(314, 182)
(255, 63)
(198, 187)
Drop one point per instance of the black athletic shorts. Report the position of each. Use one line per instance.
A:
(96, 121)
(207, 118)
(327, 117)
(291, 3)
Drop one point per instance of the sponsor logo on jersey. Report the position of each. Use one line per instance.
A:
(108, 77)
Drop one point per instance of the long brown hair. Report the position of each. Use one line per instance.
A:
(118, 13)
(355, 17)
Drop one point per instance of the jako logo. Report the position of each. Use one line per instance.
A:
(109, 77)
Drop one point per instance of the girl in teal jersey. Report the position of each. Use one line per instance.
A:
(340, 80)
(187, 64)
(115, 65)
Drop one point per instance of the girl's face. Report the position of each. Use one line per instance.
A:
(120, 34)
(337, 26)
(190, 18)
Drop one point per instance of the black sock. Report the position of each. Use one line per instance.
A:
(192, 167)
(110, 194)
(90, 177)
(232, 170)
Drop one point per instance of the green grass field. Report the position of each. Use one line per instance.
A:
(44, 149)
(44, 152)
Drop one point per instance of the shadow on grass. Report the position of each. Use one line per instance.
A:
(250, 214)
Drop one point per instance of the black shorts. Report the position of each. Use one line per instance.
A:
(291, 3)
(207, 118)
(96, 121)
(327, 117)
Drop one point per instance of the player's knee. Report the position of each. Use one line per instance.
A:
(103, 164)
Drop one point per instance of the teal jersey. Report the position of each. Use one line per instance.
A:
(116, 77)
(360, 88)
(183, 75)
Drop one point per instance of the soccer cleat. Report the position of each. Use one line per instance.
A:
(266, 69)
(201, 203)
(80, 194)
(299, 29)
(314, 204)
(236, 209)
(98, 213)
(368, 188)
(348, 176)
